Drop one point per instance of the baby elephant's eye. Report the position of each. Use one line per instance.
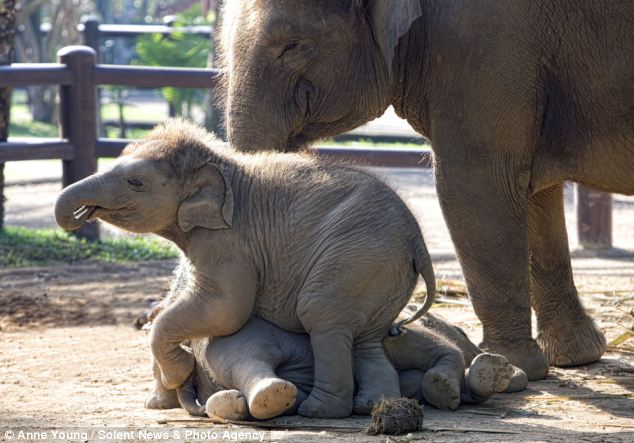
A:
(135, 182)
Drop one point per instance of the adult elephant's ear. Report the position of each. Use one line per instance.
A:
(211, 206)
(391, 19)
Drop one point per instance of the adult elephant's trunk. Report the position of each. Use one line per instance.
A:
(258, 120)
(78, 201)
(246, 135)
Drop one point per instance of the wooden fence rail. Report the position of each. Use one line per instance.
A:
(79, 146)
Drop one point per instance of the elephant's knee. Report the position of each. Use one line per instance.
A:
(157, 342)
(175, 363)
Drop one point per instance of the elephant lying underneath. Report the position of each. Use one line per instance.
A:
(262, 371)
(307, 245)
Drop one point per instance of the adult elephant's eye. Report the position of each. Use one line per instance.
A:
(287, 48)
(136, 182)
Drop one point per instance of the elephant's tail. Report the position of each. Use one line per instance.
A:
(423, 266)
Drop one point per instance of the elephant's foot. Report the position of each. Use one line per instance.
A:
(524, 354)
(322, 405)
(333, 389)
(162, 399)
(572, 342)
(368, 396)
(488, 375)
(440, 389)
(365, 400)
(375, 375)
(271, 397)
(519, 380)
(228, 405)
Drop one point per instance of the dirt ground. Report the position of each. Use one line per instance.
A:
(71, 360)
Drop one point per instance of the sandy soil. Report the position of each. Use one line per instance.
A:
(71, 360)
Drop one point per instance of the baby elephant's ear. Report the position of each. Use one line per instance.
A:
(211, 206)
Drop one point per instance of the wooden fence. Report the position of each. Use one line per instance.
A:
(78, 75)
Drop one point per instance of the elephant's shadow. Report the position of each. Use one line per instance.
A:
(606, 371)
(580, 385)
(621, 254)
(545, 408)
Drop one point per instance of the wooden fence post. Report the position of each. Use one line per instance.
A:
(91, 34)
(78, 120)
(594, 218)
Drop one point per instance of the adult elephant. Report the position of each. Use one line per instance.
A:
(516, 96)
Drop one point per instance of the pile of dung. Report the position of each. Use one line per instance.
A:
(396, 417)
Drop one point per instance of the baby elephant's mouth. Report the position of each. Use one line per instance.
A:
(84, 213)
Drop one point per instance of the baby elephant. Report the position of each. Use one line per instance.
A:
(263, 372)
(304, 244)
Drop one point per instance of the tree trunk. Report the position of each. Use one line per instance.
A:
(42, 103)
(33, 46)
(120, 108)
(7, 33)
(30, 47)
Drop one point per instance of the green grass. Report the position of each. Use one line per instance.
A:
(20, 112)
(21, 123)
(32, 129)
(131, 113)
(18, 95)
(130, 132)
(23, 247)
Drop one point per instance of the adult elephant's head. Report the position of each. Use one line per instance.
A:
(301, 70)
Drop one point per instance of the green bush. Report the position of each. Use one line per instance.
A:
(179, 50)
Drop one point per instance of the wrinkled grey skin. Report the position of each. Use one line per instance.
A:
(309, 246)
(262, 371)
(516, 96)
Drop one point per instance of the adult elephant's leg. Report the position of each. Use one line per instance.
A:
(375, 375)
(565, 332)
(484, 198)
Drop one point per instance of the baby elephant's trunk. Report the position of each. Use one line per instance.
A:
(423, 265)
(187, 395)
